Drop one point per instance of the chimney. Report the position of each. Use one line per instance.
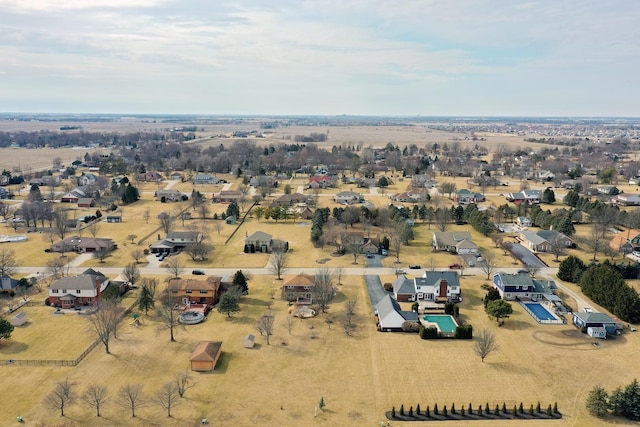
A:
(98, 291)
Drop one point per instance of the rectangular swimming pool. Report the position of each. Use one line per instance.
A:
(445, 322)
(539, 311)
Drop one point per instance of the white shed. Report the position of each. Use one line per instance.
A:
(597, 332)
(19, 319)
(249, 341)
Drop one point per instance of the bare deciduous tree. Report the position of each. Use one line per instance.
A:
(95, 396)
(166, 222)
(5, 210)
(131, 273)
(353, 245)
(175, 266)
(8, 263)
(290, 323)
(131, 237)
(217, 226)
(323, 291)
(184, 383)
(55, 268)
(485, 344)
(62, 396)
(104, 320)
(94, 228)
(130, 397)
(102, 254)
(62, 223)
(338, 272)
(265, 326)
(169, 314)
(488, 265)
(167, 397)
(278, 262)
(137, 255)
(146, 215)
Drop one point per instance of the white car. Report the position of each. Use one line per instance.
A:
(588, 310)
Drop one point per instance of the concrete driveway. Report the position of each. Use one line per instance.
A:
(375, 261)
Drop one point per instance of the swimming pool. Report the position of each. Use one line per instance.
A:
(538, 311)
(445, 322)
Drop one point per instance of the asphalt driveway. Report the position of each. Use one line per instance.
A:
(526, 256)
(376, 291)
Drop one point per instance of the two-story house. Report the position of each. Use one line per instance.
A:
(196, 291)
(83, 290)
(432, 286)
(176, 240)
(298, 289)
(522, 286)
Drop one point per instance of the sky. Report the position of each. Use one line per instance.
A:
(321, 57)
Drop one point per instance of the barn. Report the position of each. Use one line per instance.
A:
(205, 356)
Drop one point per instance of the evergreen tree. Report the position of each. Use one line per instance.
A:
(570, 269)
(146, 300)
(597, 402)
(631, 401)
(240, 281)
(228, 304)
(6, 328)
(548, 196)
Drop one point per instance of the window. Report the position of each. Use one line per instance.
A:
(204, 291)
(77, 291)
(188, 291)
(54, 291)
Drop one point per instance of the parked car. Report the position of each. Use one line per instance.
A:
(588, 310)
(198, 272)
(455, 266)
(415, 267)
(369, 255)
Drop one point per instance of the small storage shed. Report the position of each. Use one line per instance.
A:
(205, 356)
(249, 341)
(597, 332)
(19, 319)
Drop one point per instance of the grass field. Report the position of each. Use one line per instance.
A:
(360, 377)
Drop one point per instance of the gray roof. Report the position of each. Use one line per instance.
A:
(83, 282)
(402, 285)
(432, 278)
(451, 238)
(594, 317)
(516, 279)
(388, 305)
(258, 236)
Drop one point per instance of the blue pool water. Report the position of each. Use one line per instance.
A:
(540, 312)
(445, 322)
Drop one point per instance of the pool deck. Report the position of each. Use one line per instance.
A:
(555, 321)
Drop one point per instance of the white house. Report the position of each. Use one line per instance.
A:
(348, 197)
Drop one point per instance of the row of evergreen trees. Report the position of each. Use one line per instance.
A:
(572, 268)
(486, 410)
(623, 402)
(604, 285)
(479, 220)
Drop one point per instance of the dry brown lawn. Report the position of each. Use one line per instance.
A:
(360, 377)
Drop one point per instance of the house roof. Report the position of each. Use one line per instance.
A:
(515, 279)
(82, 282)
(299, 280)
(388, 305)
(594, 317)
(86, 201)
(402, 285)
(431, 278)
(259, 236)
(542, 236)
(620, 239)
(206, 351)
(466, 244)
(451, 238)
(212, 283)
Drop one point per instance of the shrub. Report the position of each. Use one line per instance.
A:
(515, 411)
(456, 311)
(531, 409)
(402, 409)
(538, 407)
(427, 412)
(504, 408)
(453, 408)
(418, 409)
(521, 409)
(549, 410)
(47, 302)
(448, 308)
(435, 409)
(444, 410)
(497, 410)
(470, 409)
(393, 412)
(411, 411)
(388, 287)
(462, 411)
(555, 408)
(411, 326)
(479, 409)
(486, 408)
